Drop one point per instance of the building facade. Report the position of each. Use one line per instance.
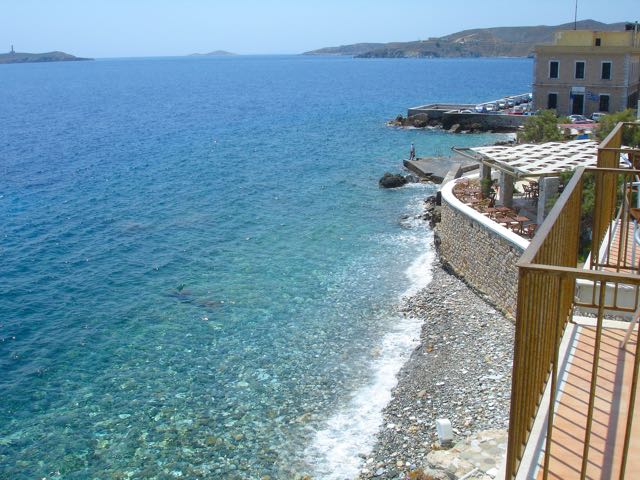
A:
(585, 72)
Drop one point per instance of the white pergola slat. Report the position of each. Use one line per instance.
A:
(546, 159)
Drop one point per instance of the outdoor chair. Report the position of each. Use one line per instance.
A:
(530, 229)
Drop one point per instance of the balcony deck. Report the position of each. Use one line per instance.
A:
(622, 253)
(571, 407)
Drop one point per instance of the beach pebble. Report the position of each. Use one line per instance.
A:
(460, 371)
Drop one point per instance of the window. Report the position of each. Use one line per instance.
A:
(606, 70)
(598, 42)
(554, 67)
(579, 69)
(552, 101)
(604, 103)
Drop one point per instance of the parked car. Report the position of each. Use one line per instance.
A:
(596, 116)
(489, 107)
(511, 103)
(579, 119)
(480, 109)
(502, 103)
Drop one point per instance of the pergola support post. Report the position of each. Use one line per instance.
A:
(485, 179)
(506, 189)
(548, 190)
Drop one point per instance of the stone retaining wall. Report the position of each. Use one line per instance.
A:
(479, 252)
(484, 121)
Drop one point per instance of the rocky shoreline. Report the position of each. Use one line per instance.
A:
(461, 371)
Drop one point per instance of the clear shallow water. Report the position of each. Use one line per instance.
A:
(198, 272)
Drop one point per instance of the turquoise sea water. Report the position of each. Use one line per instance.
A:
(198, 271)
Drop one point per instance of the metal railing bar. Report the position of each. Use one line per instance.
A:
(554, 380)
(630, 410)
(594, 379)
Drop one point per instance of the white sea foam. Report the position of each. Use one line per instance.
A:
(336, 451)
(419, 272)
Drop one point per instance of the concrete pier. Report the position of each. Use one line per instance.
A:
(436, 169)
(465, 115)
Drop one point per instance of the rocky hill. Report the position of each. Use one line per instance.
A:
(479, 42)
(18, 57)
(348, 50)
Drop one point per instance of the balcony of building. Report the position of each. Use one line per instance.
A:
(575, 374)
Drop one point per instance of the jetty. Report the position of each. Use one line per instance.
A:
(436, 169)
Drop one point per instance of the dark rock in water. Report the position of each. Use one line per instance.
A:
(391, 180)
(412, 178)
(399, 121)
(421, 120)
(455, 128)
(431, 211)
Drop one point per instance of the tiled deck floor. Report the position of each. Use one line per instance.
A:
(623, 252)
(610, 412)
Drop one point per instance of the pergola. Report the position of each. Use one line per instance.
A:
(543, 162)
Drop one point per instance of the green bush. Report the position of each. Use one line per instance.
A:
(541, 128)
(630, 136)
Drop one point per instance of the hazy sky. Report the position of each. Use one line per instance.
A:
(120, 28)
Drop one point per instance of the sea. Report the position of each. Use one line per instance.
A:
(199, 275)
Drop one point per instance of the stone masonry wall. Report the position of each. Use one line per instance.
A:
(486, 260)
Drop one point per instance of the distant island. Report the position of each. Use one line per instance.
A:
(21, 57)
(217, 53)
(479, 42)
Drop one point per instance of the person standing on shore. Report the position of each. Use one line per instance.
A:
(412, 152)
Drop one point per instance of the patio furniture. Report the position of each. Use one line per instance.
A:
(530, 229)
(521, 219)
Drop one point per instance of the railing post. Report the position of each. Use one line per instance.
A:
(594, 379)
(557, 335)
(630, 410)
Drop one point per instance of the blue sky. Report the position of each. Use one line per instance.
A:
(121, 28)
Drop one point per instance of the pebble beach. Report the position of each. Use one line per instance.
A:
(461, 371)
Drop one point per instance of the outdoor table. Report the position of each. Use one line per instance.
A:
(521, 219)
(491, 211)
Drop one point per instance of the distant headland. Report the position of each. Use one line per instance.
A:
(216, 53)
(21, 57)
(479, 42)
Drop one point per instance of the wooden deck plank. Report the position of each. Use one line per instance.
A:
(610, 411)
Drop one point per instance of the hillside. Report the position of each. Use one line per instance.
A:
(18, 57)
(479, 42)
(350, 50)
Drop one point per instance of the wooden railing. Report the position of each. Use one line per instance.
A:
(548, 272)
